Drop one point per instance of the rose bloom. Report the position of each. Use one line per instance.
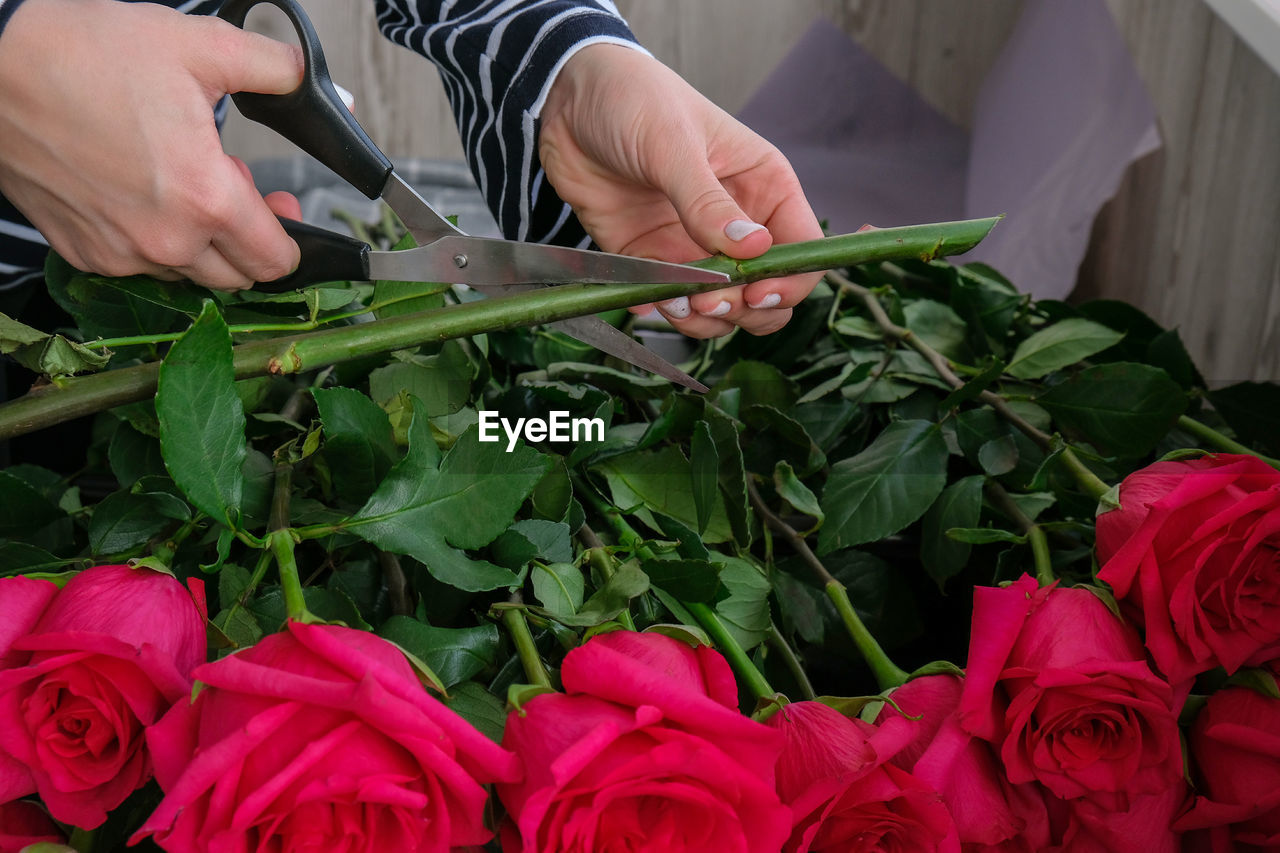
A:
(843, 794)
(1235, 750)
(319, 738)
(1061, 686)
(23, 823)
(991, 813)
(1192, 555)
(83, 671)
(645, 750)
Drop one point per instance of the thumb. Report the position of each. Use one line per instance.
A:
(713, 219)
(241, 61)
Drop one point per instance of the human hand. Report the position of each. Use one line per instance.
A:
(654, 169)
(108, 143)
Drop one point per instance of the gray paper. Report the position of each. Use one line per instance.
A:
(1059, 118)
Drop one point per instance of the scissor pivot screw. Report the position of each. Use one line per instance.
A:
(460, 261)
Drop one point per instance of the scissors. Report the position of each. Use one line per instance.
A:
(314, 118)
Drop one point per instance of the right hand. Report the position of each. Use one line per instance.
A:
(108, 143)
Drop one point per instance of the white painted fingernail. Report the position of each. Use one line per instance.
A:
(719, 311)
(348, 99)
(769, 301)
(741, 229)
(677, 308)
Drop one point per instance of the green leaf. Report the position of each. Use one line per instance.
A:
(801, 607)
(124, 522)
(53, 355)
(1252, 410)
(796, 493)
(959, 505)
(554, 493)
(26, 510)
(480, 708)
(1060, 345)
(442, 382)
(999, 456)
(395, 298)
(558, 587)
(20, 558)
(109, 308)
(745, 611)
(884, 488)
(733, 473)
(658, 481)
(983, 535)
(627, 582)
(1167, 352)
(134, 455)
(704, 473)
(431, 509)
(453, 654)
(14, 335)
(973, 388)
(201, 419)
(1122, 408)
(756, 384)
(359, 447)
(533, 539)
(687, 580)
(938, 326)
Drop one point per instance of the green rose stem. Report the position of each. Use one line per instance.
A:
(1211, 436)
(600, 560)
(1036, 537)
(293, 353)
(81, 840)
(779, 644)
(705, 616)
(281, 541)
(887, 674)
(1084, 477)
(526, 649)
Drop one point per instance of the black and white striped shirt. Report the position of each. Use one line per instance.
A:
(497, 59)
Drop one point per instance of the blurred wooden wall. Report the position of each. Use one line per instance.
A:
(1193, 236)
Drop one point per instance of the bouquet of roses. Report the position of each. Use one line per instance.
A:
(936, 567)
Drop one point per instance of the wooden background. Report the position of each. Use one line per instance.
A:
(1193, 236)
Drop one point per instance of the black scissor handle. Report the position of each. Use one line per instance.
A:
(313, 116)
(326, 256)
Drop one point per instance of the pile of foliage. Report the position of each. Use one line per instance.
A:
(900, 487)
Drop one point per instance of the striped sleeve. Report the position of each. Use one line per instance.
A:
(7, 8)
(497, 60)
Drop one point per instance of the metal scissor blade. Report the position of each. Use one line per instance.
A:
(602, 336)
(484, 261)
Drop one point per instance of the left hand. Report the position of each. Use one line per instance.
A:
(654, 169)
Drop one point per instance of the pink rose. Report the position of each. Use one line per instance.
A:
(23, 823)
(645, 750)
(1235, 748)
(991, 813)
(1191, 554)
(83, 672)
(319, 738)
(1115, 823)
(1062, 688)
(843, 794)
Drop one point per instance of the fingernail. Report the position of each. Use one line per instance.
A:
(348, 99)
(719, 311)
(741, 229)
(677, 308)
(769, 301)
